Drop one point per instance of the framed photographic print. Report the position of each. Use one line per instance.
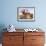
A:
(26, 14)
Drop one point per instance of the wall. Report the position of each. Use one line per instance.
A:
(9, 13)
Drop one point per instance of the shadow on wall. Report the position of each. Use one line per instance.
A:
(2, 26)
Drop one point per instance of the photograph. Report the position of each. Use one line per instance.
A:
(26, 13)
